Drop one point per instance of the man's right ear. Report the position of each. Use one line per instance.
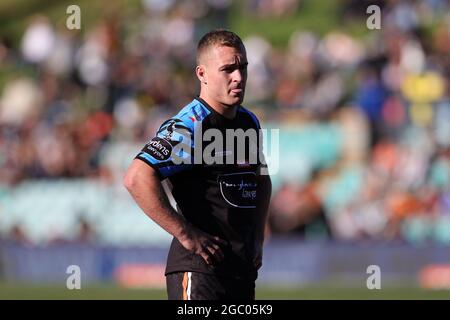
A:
(201, 74)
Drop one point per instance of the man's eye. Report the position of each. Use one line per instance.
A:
(231, 69)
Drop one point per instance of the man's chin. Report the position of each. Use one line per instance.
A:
(236, 100)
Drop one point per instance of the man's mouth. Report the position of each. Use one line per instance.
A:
(237, 90)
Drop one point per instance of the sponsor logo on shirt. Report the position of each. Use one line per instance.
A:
(238, 189)
(159, 148)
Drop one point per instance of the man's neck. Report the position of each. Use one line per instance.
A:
(228, 112)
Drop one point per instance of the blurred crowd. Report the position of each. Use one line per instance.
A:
(69, 94)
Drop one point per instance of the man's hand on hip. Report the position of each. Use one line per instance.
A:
(203, 244)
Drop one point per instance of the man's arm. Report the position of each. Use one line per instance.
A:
(143, 183)
(264, 192)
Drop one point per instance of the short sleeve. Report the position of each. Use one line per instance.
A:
(171, 150)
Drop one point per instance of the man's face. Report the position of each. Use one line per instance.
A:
(225, 74)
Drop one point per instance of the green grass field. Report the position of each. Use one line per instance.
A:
(104, 292)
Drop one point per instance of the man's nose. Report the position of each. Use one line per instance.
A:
(238, 76)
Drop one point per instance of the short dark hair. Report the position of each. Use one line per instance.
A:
(220, 37)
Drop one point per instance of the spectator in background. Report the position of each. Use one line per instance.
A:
(299, 211)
